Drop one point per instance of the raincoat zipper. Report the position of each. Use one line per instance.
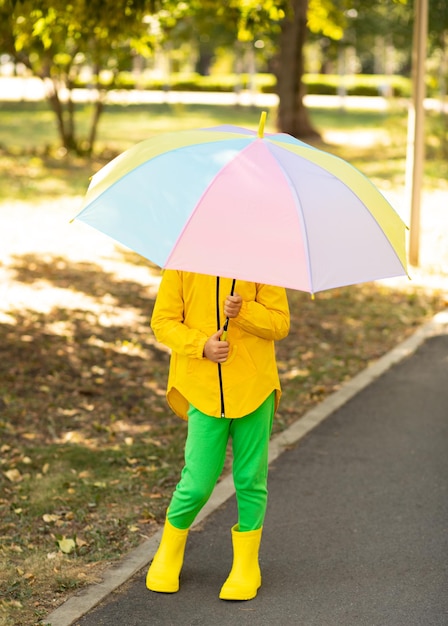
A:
(218, 320)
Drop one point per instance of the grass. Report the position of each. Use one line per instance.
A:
(30, 126)
(89, 450)
(33, 167)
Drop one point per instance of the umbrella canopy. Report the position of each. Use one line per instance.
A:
(231, 202)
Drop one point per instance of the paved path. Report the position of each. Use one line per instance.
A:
(357, 527)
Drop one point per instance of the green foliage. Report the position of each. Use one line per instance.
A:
(65, 36)
(357, 85)
(323, 84)
(327, 18)
(438, 23)
(56, 40)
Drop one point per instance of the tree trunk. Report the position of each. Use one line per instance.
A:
(292, 114)
(70, 107)
(205, 58)
(56, 105)
(98, 109)
(65, 126)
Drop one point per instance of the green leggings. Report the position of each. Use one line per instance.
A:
(205, 453)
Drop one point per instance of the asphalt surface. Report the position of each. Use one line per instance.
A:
(356, 532)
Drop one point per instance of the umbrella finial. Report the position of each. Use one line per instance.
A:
(261, 124)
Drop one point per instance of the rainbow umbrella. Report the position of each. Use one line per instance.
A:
(235, 203)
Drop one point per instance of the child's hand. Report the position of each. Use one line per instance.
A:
(232, 305)
(216, 350)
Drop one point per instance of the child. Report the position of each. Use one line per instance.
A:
(225, 388)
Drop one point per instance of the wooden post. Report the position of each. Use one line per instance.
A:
(416, 119)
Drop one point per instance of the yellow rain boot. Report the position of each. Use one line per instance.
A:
(245, 577)
(164, 571)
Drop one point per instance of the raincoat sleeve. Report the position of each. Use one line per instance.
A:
(167, 320)
(267, 316)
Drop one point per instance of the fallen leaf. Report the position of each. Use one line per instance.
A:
(66, 545)
(133, 529)
(13, 475)
(29, 436)
(50, 518)
(16, 548)
(14, 603)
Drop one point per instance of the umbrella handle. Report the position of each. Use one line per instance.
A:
(226, 323)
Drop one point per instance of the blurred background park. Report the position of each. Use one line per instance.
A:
(89, 450)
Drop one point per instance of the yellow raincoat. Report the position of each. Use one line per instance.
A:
(188, 310)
